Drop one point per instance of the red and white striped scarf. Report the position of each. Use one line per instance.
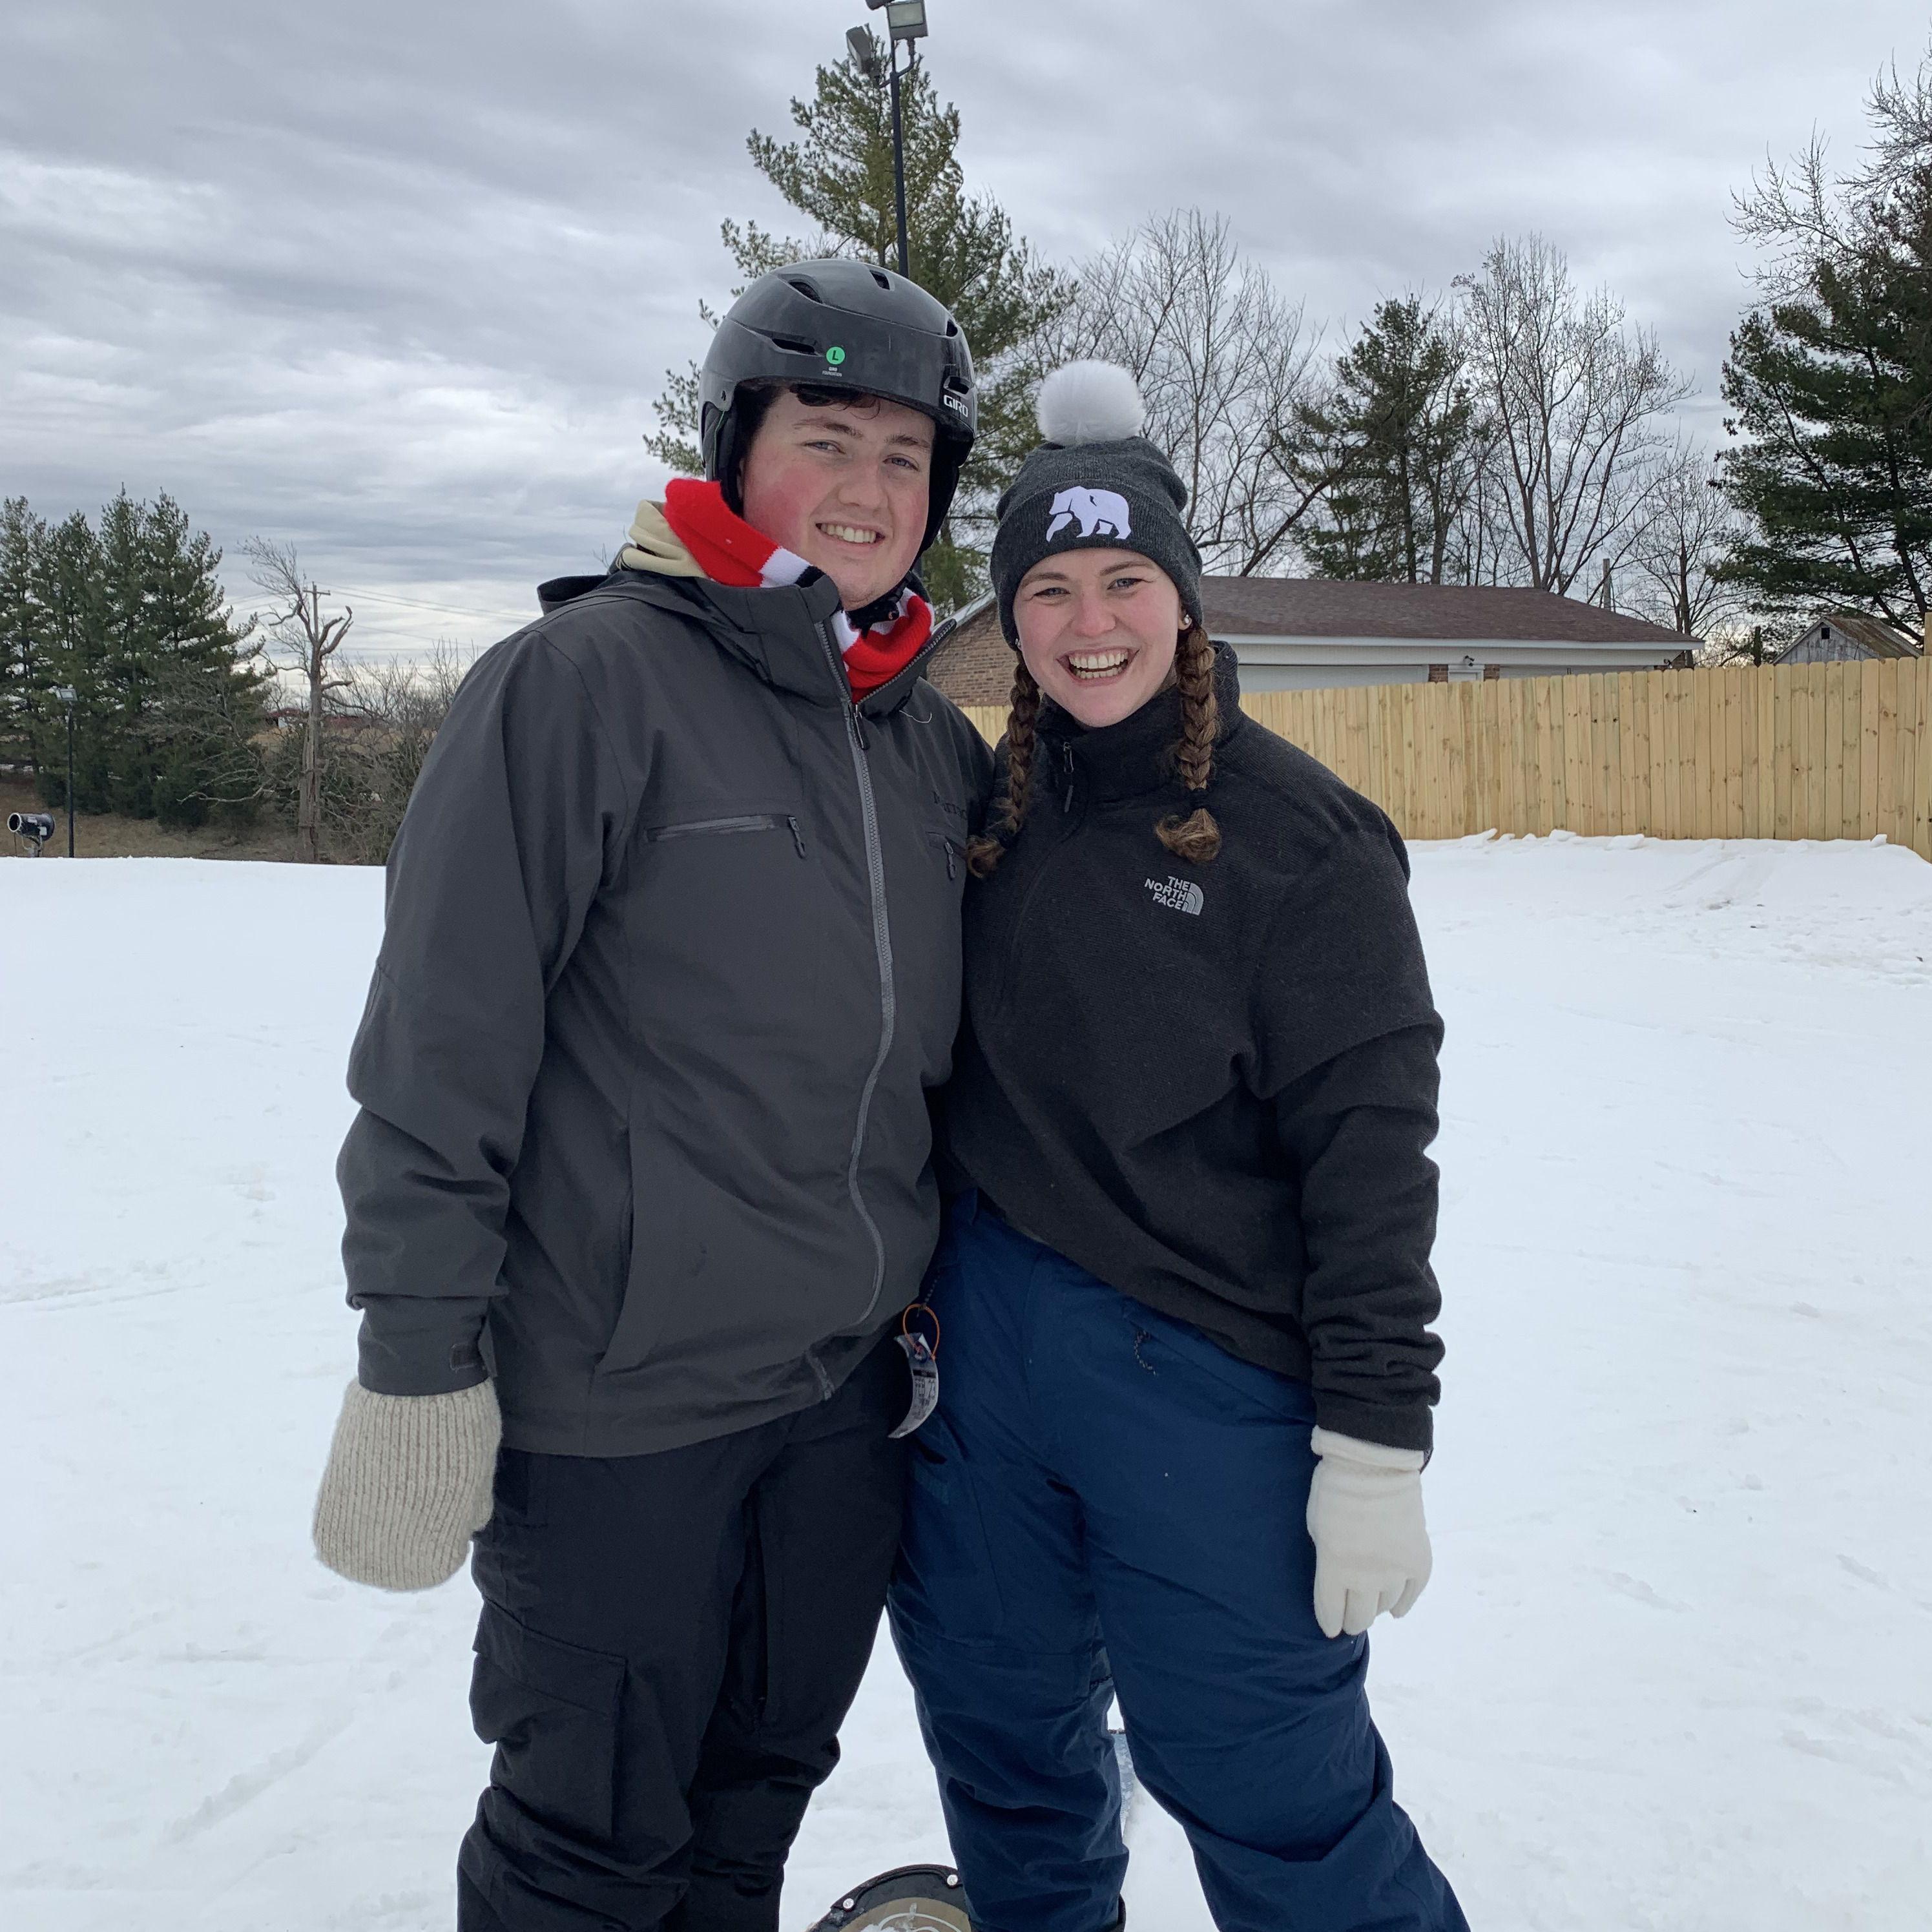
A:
(729, 551)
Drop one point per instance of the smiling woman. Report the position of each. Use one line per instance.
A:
(1099, 583)
(1194, 1084)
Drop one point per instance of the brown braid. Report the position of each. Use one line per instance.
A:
(986, 851)
(1197, 839)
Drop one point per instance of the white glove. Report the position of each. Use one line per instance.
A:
(410, 1481)
(1371, 1543)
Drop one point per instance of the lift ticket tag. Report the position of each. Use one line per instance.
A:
(922, 1360)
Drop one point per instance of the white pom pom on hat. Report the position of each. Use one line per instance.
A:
(1090, 402)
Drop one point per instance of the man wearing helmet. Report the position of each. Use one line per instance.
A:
(640, 1184)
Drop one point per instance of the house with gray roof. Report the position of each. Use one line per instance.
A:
(1295, 633)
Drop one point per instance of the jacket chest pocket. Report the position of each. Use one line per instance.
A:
(744, 822)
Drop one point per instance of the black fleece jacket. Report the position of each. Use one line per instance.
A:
(1212, 1085)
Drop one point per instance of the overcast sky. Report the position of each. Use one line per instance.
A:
(398, 282)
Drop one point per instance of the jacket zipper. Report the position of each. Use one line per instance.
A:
(1067, 773)
(760, 821)
(882, 946)
(944, 842)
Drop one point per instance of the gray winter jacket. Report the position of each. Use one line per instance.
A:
(671, 963)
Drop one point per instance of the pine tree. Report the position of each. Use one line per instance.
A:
(133, 617)
(191, 699)
(1405, 438)
(66, 591)
(962, 249)
(23, 678)
(1832, 389)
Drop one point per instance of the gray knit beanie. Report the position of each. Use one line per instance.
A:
(1095, 483)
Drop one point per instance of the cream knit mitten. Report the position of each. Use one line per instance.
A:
(409, 1483)
(1371, 1549)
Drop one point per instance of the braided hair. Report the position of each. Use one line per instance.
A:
(1197, 838)
(1010, 809)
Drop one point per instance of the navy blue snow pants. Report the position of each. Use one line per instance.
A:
(1107, 1503)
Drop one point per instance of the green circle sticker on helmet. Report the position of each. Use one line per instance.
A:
(835, 356)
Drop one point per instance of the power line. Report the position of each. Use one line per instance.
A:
(441, 609)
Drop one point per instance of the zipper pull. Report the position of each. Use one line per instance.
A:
(1067, 766)
(859, 725)
(797, 836)
(952, 871)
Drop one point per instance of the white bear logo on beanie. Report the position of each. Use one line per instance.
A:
(1100, 513)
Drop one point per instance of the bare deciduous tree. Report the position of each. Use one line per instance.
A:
(1578, 400)
(1228, 373)
(1800, 217)
(1687, 532)
(297, 638)
(401, 707)
(382, 719)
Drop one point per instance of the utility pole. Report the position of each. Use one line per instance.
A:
(308, 798)
(65, 694)
(898, 166)
(905, 20)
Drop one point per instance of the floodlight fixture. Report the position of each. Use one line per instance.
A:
(63, 694)
(906, 18)
(868, 54)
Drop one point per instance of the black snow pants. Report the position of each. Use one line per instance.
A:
(668, 1645)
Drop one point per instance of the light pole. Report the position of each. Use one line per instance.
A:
(64, 693)
(905, 20)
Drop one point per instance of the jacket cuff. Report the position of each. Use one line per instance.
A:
(1367, 1455)
(1406, 1428)
(421, 1348)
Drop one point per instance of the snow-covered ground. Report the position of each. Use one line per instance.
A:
(1675, 1671)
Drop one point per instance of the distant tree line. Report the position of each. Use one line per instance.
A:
(185, 713)
(129, 614)
(1517, 430)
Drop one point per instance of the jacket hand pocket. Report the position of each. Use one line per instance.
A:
(551, 1709)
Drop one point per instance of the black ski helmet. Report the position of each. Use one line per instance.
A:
(843, 325)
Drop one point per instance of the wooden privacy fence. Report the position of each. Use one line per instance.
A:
(1826, 751)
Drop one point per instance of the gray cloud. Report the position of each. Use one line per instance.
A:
(399, 284)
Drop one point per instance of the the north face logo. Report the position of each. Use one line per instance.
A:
(1100, 513)
(1177, 894)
